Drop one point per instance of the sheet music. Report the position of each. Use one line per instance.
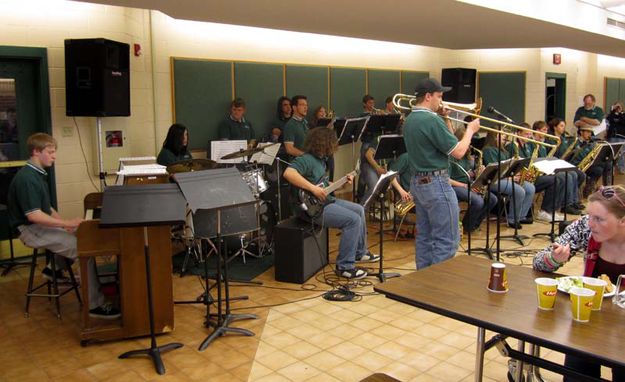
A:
(376, 188)
(549, 166)
(600, 128)
(268, 155)
(222, 148)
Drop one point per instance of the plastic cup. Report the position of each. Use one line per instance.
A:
(598, 286)
(581, 303)
(546, 290)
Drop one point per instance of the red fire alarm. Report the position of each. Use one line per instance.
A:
(137, 48)
(557, 58)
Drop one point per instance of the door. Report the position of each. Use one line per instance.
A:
(555, 96)
(24, 110)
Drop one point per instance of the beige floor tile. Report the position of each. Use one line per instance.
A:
(440, 351)
(264, 349)
(309, 316)
(346, 331)
(495, 370)
(324, 360)
(324, 340)
(400, 371)
(448, 372)
(430, 331)
(327, 308)
(419, 361)
(276, 360)
(366, 323)
(347, 315)
(349, 371)
(393, 350)
(301, 350)
(368, 340)
(299, 371)
(259, 371)
(413, 341)
(347, 350)
(323, 377)
(285, 323)
(463, 359)
(456, 340)
(372, 361)
(427, 378)
(388, 332)
(273, 377)
(384, 316)
(305, 331)
(281, 340)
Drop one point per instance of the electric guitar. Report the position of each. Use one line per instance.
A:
(313, 206)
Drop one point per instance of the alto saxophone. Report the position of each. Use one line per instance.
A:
(479, 165)
(569, 150)
(590, 157)
(529, 173)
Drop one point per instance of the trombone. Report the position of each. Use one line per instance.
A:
(469, 109)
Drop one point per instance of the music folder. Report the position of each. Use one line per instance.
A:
(383, 124)
(515, 166)
(383, 183)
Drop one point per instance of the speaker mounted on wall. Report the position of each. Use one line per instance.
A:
(97, 78)
(462, 82)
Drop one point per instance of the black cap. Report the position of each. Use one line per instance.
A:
(429, 85)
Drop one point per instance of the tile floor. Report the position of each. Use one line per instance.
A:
(299, 335)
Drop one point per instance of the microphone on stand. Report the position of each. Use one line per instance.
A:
(501, 115)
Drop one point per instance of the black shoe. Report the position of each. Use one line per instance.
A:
(579, 206)
(571, 210)
(105, 312)
(60, 276)
(529, 220)
(515, 225)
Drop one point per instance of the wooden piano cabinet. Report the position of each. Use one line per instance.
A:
(127, 245)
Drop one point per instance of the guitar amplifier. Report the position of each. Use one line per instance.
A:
(298, 254)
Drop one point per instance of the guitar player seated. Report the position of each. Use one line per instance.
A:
(308, 173)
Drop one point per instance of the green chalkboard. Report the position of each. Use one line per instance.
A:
(311, 81)
(505, 91)
(382, 84)
(260, 86)
(409, 80)
(347, 87)
(202, 95)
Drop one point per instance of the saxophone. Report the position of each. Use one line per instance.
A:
(589, 158)
(479, 165)
(569, 150)
(529, 173)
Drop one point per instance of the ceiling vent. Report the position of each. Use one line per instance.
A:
(616, 23)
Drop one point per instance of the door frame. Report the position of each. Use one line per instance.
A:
(557, 76)
(39, 56)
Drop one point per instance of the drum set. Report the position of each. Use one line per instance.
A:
(257, 243)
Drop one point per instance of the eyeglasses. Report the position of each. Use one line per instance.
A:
(609, 193)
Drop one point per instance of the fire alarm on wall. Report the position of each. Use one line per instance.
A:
(557, 59)
(137, 48)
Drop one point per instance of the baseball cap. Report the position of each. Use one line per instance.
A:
(430, 85)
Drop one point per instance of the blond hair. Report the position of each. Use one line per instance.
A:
(614, 204)
(39, 141)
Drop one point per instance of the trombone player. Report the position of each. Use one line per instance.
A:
(429, 144)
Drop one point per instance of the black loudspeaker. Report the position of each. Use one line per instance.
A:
(97, 78)
(462, 81)
(297, 255)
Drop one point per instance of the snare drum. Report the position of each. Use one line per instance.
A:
(256, 181)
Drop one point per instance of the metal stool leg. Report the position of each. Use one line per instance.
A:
(31, 278)
(55, 287)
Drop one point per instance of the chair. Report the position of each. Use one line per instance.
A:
(54, 292)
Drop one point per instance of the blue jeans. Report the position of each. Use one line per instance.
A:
(437, 212)
(477, 211)
(572, 187)
(523, 198)
(368, 176)
(620, 164)
(350, 218)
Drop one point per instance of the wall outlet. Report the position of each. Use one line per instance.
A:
(67, 131)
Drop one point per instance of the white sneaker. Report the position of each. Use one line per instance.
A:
(545, 216)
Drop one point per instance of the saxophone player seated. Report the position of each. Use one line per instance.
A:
(583, 156)
(460, 182)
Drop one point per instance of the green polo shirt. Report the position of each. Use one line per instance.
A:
(594, 113)
(313, 169)
(167, 157)
(582, 148)
(28, 192)
(428, 140)
(489, 155)
(403, 167)
(456, 173)
(295, 131)
(236, 130)
(565, 142)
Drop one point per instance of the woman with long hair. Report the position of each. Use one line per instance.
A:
(175, 147)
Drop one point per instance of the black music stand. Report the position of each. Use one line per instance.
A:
(379, 192)
(383, 124)
(515, 166)
(323, 122)
(566, 168)
(221, 202)
(349, 131)
(145, 205)
(617, 152)
(483, 181)
(390, 147)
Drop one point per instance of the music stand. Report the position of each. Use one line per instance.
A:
(379, 191)
(484, 181)
(323, 122)
(383, 124)
(349, 131)
(390, 147)
(219, 199)
(617, 152)
(514, 167)
(145, 205)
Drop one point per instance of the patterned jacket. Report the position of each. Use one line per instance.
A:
(577, 235)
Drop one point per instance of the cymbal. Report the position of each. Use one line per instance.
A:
(243, 153)
(192, 165)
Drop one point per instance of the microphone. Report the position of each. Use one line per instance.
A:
(501, 115)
